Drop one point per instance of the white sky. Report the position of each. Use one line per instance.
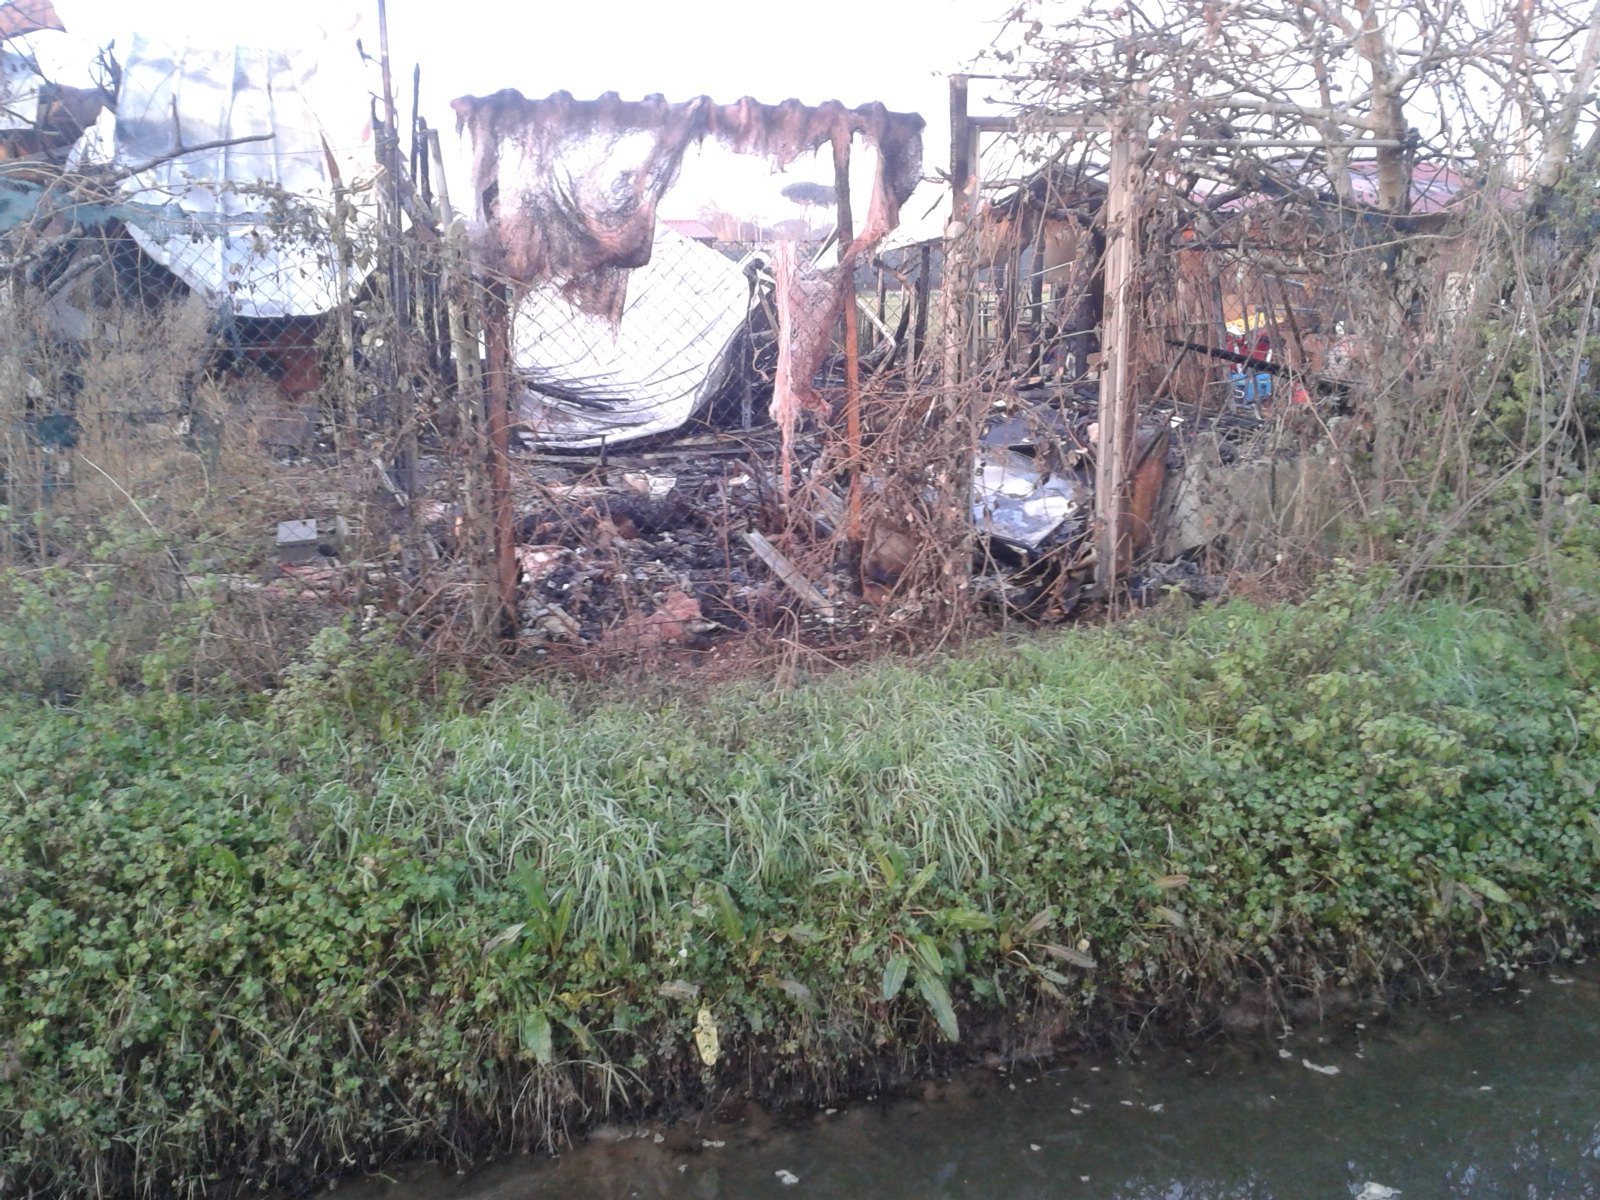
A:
(896, 51)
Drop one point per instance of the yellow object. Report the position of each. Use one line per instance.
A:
(1254, 319)
(705, 1036)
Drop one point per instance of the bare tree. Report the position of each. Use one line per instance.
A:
(1396, 81)
(809, 195)
(1348, 142)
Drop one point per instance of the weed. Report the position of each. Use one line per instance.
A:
(281, 941)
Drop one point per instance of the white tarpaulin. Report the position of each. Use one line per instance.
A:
(220, 221)
(19, 92)
(588, 382)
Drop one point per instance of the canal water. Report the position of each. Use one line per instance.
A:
(1490, 1097)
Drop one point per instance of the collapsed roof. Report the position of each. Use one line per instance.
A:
(567, 189)
(227, 152)
(565, 195)
(19, 91)
(589, 382)
(21, 17)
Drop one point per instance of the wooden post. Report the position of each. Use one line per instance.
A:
(463, 316)
(879, 336)
(852, 333)
(405, 452)
(955, 283)
(1035, 357)
(345, 440)
(1007, 268)
(919, 334)
(497, 344)
(1118, 405)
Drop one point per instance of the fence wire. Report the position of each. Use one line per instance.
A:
(207, 427)
(203, 431)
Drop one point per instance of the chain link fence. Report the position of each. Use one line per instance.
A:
(248, 430)
(250, 426)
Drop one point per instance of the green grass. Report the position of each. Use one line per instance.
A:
(271, 943)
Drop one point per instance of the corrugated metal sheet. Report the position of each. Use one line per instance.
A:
(21, 17)
(223, 228)
(690, 228)
(1434, 186)
(19, 92)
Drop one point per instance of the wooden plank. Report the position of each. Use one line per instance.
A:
(955, 280)
(497, 347)
(790, 575)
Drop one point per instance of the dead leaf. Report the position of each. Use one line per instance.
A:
(705, 1037)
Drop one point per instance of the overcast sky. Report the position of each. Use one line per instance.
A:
(896, 51)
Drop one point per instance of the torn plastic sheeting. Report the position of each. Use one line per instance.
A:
(566, 190)
(1016, 503)
(587, 381)
(223, 230)
(809, 298)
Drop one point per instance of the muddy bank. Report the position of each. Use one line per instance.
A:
(384, 928)
(1477, 1095)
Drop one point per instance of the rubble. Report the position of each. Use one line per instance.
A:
(647, 550)
(1022, 504)
(297, 541)
(618, 525)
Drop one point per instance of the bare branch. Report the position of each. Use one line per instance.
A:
(1558, 146)
(221, 143)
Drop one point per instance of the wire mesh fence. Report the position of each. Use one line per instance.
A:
(762, 439)
(215, 429)
(249, 424)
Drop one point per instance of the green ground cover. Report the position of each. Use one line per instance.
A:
(264, 941)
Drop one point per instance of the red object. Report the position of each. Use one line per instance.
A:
(28, 16)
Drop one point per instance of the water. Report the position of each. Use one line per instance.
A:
(1493, 1098)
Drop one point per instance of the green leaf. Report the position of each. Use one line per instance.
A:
(894, 975)
(1068, 954)
(224, 859)
(537, 1037)
(938, 998)
(928, 956)
(797, 991)
(920, 880)
(532, 881)
(580, 1031)
(1035, 924)
(504, 938)
(1172, 916)
(562, 920)
(965, 918)
(892, 865)
(1489, 888)
(727, 914)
